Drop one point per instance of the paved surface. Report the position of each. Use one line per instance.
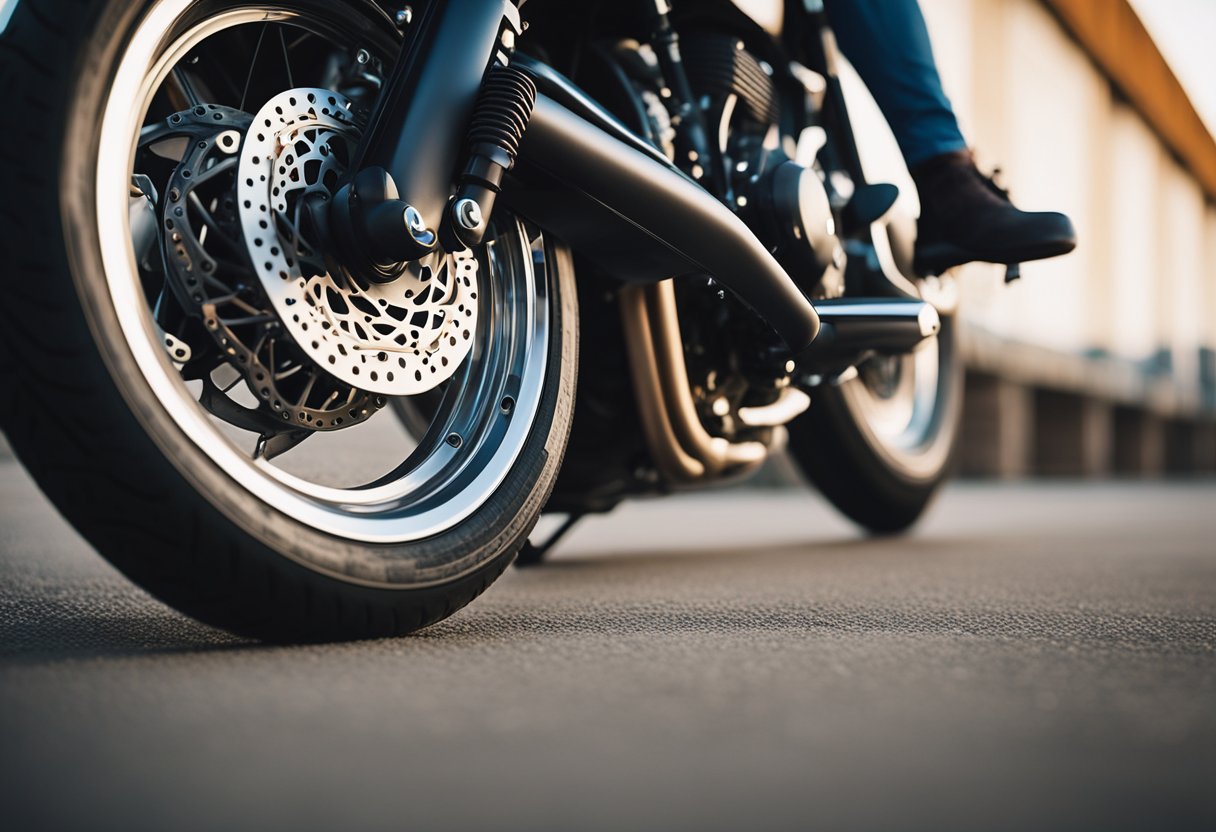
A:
(1033, 658)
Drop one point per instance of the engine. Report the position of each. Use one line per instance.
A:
(784, 202)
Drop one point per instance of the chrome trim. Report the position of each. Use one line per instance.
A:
(715, 453)
(682, 449)
(869, 309)
(791, 403)
(7, 7)
(884, 325)
(930, 322)
(675, 463)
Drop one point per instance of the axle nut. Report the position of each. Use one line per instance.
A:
(468, 213)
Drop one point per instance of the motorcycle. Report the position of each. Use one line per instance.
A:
(295, 290)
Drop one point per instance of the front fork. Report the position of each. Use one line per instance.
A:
(416, 134)
(635, 215)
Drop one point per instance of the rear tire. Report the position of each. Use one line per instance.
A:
(92, 431)
(883, 489)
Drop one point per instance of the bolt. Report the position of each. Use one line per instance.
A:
(362, 56)
(417, 226)
(404, 17)
(468, 213)
(414, 220)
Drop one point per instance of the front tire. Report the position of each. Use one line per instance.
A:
(111, 444)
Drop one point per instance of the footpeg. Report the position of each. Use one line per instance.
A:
(853, 326)
(869, 204)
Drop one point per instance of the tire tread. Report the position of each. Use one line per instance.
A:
(72, 429)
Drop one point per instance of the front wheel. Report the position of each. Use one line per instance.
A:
(880, 445)
(163, 384)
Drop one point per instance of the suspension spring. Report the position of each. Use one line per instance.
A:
(495, 132)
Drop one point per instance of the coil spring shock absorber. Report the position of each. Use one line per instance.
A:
(497, 127)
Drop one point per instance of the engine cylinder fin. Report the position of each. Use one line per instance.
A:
(718, 66)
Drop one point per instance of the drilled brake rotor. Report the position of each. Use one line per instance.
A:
(398, 338)
(213, 281)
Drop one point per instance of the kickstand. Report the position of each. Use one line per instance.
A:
(534, 555)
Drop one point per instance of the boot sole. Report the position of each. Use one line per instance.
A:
(938, 257)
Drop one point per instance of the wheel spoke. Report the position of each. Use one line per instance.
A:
(181, 90)
(253, 62)
(286, 60)
(279, 393)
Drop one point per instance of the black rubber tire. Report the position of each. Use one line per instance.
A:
(84, 422)
(839, 458)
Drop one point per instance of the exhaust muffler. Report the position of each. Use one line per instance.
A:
(643, 220)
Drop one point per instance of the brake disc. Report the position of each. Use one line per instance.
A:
(213, 281)
(398, 338)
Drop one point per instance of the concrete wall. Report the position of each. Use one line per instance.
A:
(1114, 334)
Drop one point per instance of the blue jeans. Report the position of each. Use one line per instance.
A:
(888, 44)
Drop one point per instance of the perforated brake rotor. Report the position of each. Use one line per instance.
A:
(399, 338)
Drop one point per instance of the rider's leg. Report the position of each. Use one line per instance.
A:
(963, 215)
(888, 43)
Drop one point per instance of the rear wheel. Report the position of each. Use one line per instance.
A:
(880, 444)
(166, 391)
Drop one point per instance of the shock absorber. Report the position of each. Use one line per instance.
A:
(495, 132)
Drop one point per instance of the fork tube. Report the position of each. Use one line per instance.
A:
(417, 130)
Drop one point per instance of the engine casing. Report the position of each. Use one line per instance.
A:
(788, 208)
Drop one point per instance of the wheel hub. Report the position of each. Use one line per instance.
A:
(397, 338)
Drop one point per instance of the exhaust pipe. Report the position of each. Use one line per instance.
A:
(583, 176)
(850, 326)
(643, 220)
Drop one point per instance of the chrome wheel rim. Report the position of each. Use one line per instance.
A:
(483, 419)
(902, 403)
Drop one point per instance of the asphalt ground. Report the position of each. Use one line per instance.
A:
(1034, 657)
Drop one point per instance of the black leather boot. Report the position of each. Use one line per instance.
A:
(965, 216)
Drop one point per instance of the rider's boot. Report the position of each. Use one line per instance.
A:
(966, 216)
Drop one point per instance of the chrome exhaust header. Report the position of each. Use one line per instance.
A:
(682, 449)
